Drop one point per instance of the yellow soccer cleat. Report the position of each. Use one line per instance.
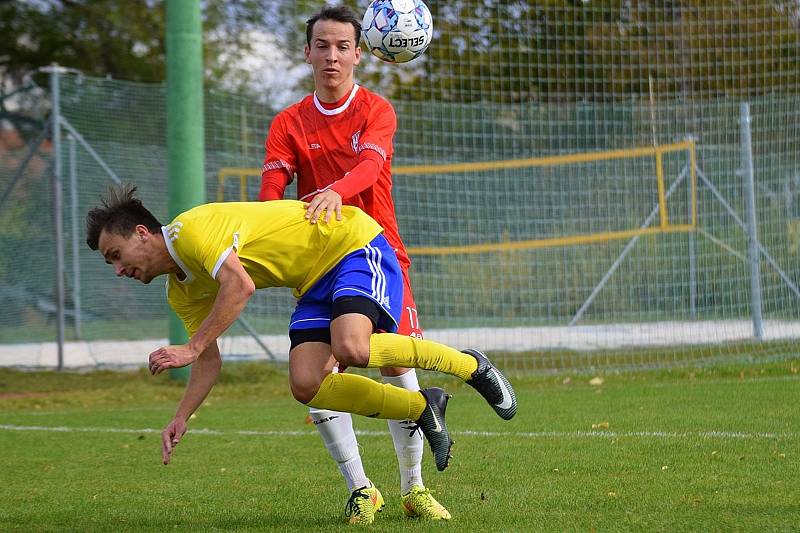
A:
(420, 503)
(363, 504)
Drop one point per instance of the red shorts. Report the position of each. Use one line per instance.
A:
(409, 321)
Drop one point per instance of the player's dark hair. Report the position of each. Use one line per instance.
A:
(339, 13)
(120, 213)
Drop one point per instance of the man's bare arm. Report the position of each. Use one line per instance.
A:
(235, 289)
(204, 374)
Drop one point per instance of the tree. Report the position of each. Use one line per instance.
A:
(591, 50)
(99, 38)
(123, 39)
(494, 50)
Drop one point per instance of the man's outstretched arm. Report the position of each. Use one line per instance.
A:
(204, 374)
(235, 288)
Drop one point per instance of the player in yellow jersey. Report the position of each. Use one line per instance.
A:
(349, 288)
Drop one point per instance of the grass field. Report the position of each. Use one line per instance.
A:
(713, 449)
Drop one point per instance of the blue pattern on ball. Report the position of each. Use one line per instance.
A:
(390, 38)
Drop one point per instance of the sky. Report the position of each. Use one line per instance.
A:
(268, 71)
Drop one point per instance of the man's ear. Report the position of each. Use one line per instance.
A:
(142, 232)
(306, 53)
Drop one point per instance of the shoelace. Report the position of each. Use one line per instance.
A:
(413, 428)
(352, 507)
(423, 492)
(423, 499)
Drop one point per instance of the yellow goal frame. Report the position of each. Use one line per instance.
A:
(657, 152)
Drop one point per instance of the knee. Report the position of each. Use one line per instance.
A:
(351, 351)
(303, 390)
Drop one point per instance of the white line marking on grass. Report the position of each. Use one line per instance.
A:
(730, 435)
(201, 431)
(724, 435)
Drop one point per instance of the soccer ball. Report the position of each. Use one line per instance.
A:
(397, 31)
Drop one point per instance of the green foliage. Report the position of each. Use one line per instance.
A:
(565, 51)
(102, 38)
(119, 39)
(492, 50)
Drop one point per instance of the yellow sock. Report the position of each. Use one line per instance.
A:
(351, 393)
(389, 349)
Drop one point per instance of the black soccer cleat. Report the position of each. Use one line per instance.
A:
(493, 386)
(434, 427)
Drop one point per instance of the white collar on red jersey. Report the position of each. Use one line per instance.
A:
(339, 109)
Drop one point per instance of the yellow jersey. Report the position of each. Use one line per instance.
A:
(275, 243)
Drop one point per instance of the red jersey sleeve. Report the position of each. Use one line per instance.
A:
(280, 162)
(363, 175)
(273, 184)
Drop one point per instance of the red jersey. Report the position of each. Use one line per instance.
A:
(322, 143)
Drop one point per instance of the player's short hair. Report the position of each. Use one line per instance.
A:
(339, 13)
(120, 213)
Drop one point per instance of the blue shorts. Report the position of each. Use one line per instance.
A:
(372, 272)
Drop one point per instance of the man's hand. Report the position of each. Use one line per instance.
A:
(329, 201)
(174, 356)
(171, 436)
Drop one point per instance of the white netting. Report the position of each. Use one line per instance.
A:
(563, 278)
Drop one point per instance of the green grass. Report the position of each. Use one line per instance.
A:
(641, 358)
(704, 449)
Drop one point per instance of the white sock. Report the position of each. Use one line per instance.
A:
(336, 430)
(407, 443)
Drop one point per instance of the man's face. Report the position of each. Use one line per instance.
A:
(333, 54)
(130, 256)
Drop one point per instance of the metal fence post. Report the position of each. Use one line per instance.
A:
(58, 210)
(753, 254)
(76, 264)
(692, 246)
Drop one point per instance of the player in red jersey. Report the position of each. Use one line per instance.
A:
(338, 142)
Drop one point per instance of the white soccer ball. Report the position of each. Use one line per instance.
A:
(397, 31)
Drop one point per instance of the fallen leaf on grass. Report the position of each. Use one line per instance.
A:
(601, 425)
(597, 380)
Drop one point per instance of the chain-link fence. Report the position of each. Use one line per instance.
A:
(550, 264)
